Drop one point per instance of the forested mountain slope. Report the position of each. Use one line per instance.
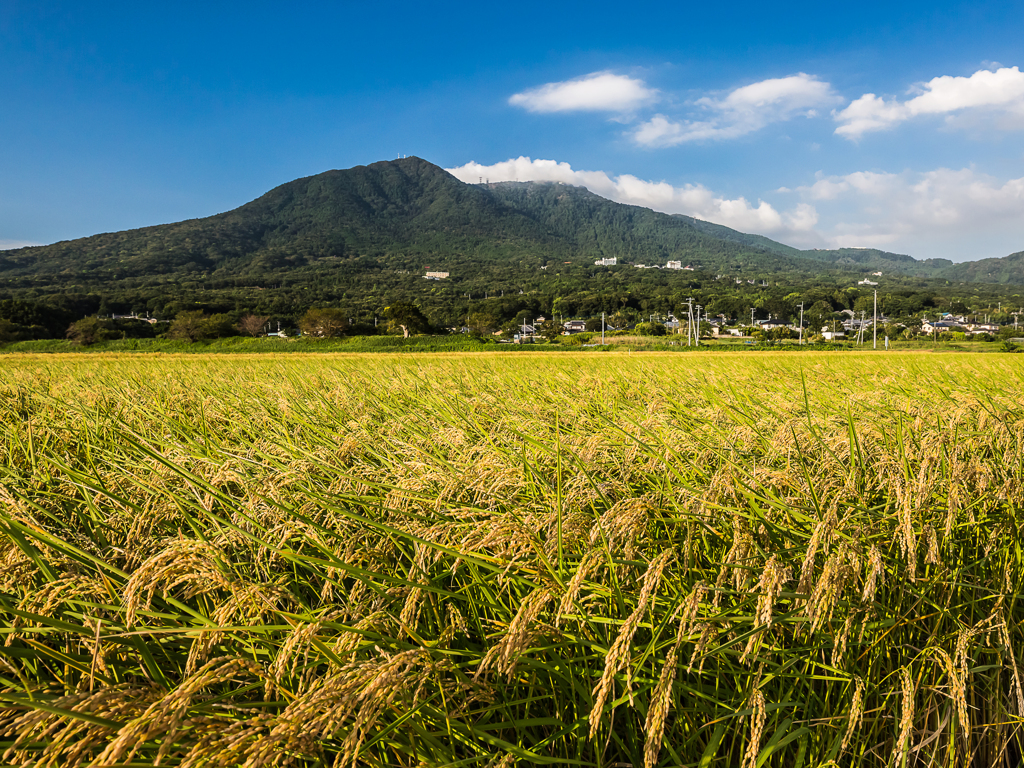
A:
(362, 237)
(414, 211)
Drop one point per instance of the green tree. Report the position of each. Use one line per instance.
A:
(622, 318)
(324, 323)
(189, 326)
(88, 330)
(254, 325)
(406, 317)
(220, 325)
(817, 316)
(651, 329)
(481, 323)
(782, 332)
(550, 329)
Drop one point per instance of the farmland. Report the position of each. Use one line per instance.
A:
(484, 560)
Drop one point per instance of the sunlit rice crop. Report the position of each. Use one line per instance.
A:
(482, 560)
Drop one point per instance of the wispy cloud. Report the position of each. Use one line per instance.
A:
(931, 206)
(955, 214)
(596, 92)
(741, 111)
(10, 245)
(796, 225)
(999, 92)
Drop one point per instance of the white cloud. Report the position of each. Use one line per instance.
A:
(999, 92)
(741, 111)
(955, 214)
(596, 92)
(796, 225)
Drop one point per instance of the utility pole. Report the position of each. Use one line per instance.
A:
(874, 324)
(602, 329)
(696, 330)
(689, 320)
(801, 323)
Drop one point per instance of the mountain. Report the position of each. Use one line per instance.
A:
(407, 208)
(1007, 270)
(367, 233)
(337, 214)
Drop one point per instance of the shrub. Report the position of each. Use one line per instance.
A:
(324, 323)
(650, 329)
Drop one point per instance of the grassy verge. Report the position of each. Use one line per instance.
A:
(461, 343)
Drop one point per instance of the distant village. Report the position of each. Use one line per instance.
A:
(845, 325)
(697, 322)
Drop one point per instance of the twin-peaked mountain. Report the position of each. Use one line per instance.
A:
(410, 215)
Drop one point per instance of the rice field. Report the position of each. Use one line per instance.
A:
(489, 560)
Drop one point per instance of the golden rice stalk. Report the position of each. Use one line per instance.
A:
(1004, 633)
(294, 651)
(958, 672)
(856, 714)
(357, 694)
(905, 536)
(661, 699)
(707, 632)
(507, 760)
(906, 717)
(190, 562)
(769, 586)
(691, 606)
(165, 717)
(820, 535)
(757, 720)
(572, 590)
(876, 574)
(623, 524)
(456, 620)
(69, 741)
(932, 541)
(248, 604)
(618, 655)
(391, 679)
(839, 646)
(520, 634)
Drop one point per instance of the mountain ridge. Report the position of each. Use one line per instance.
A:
(412, 209)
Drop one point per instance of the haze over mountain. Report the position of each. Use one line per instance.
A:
(410, 214)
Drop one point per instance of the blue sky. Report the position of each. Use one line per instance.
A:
(876, 124)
